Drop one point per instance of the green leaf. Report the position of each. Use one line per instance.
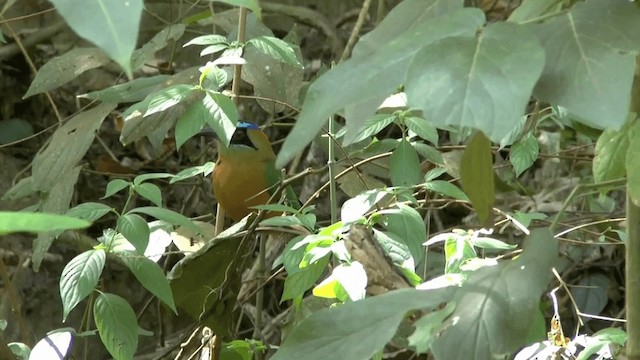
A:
(524, 153)
(11, 222)
(249, 4)
(151, 276)
(408, 225)
(132, 91)
(591, 60)
(356, 330)
(168, 97)
(372, 126)
(497, 305)
(159, 41)
(188, 173)
(457, 251)
(299, 282)
(373, 77)
(476, 175)
(64, 68)
(395, 248)
(223, 115)
(115, 186)
(113, 26)
(493, 244)
(611, 152)
(67, 147)
(211, 39)
(91, 211)
(191, 123)
(428, 152)
(401, 18)
(150, 192)
(135, 229)
(169, 216)
(356, 207)
(534, 9)
(445, 188)
(79, 277)
(57, 201)
(276, 48)
(423, 128)
(212, 77)
(428, 327)
(212, 49)
(150, 176)
(488, 83)
(117, 325)
(404, 165)
(273, 79)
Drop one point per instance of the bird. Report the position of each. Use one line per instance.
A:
(244, 170)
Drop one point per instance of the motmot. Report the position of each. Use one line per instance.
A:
(245, 174)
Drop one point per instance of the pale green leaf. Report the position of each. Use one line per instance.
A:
(67, 147)
(64, 68)
(11, 222)
(112, 25)
(276, 48)
(135, 229)
(91, 211)
(79, 277)
(132, 91)
(117, 325)
(590, 60)
(476, 175)
(611, 152)
(371, 77)
(524, 153)
(482, 82)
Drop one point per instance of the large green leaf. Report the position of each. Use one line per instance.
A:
(56, 201)
(64, 68)
(117, 325)
(497, 305)
(482, 82)
(405, 15)
(590, 67)
(134, 90)
(36, 222)
(372, 77)
(112, 25)
(68, 145)
(534, 9)
(356, 330)
(476, 175)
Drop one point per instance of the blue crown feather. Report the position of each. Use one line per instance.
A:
(247, 125)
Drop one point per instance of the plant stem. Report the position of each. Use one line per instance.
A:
(632, 286)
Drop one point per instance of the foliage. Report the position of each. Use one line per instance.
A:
(430, 73)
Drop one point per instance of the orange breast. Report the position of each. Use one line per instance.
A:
(236, 184)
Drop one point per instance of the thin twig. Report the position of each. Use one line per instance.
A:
(356, 30)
